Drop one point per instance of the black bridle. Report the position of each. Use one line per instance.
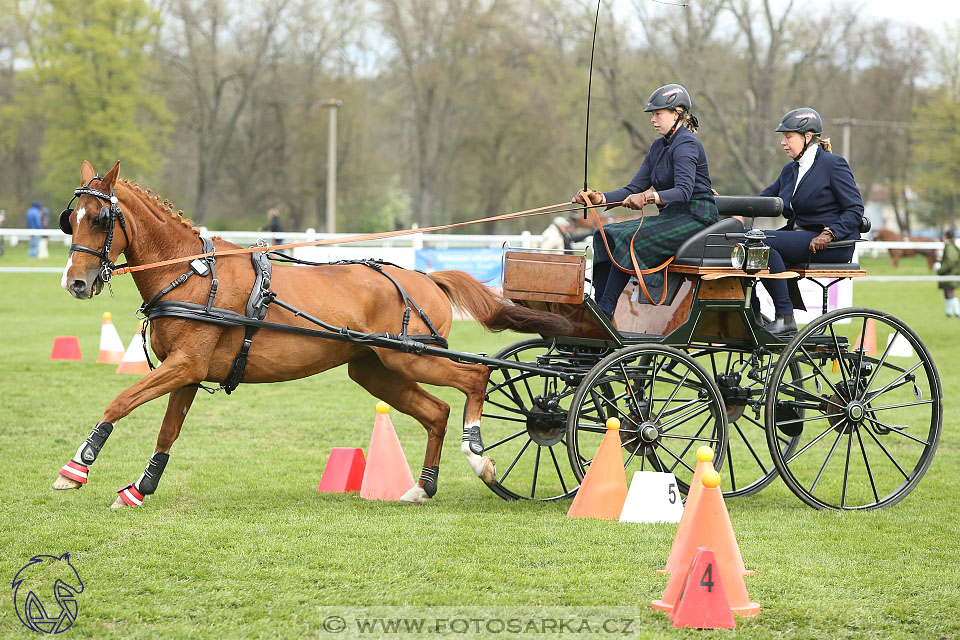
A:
(105, 220)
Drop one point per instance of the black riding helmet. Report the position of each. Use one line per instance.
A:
(669, 96)
(800, 121)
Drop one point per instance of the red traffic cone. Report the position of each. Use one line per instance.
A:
(134, 359)
(344, 471)
(66, 348)
(710, 527)
(386, 475)
(604, 488)
(704, 463)
(703, 602)
(111, 346)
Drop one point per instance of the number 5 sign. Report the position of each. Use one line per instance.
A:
(653, 497)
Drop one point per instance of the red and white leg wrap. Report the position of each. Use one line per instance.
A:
(75, 471)
(130, 496)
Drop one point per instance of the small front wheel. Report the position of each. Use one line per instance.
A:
(668, 407)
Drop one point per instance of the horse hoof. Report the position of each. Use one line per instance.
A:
(416, 495)
(117, 504)
(488, 470)
(65, 484)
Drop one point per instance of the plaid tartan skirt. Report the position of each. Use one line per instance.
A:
(659, 237)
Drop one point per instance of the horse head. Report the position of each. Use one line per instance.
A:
(92, 225)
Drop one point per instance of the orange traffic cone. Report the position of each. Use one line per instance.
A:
(66, 348)
(710, 527)
(134, 359)
(604, 488)
(703, 603)
(869, 338)
(704, 463)
(111, 346)
(387, 475)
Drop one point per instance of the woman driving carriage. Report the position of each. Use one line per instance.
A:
(821, 202)
(675, 177)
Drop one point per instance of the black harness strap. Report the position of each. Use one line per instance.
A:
(200, 267)
(260, 298)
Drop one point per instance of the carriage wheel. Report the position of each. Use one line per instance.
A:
(741, 376)
(668, 406)
(523, 425)
(866, 425)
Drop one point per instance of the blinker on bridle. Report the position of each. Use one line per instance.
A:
(109, 213)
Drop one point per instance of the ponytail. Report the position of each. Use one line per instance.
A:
(825, 144)
(689, 120)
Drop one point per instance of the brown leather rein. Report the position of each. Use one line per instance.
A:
(539, 211)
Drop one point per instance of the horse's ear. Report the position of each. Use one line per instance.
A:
(86, 172)
(111, 178)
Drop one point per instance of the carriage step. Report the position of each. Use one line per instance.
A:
(882, 431)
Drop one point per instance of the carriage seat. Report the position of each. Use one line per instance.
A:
(708, 247)
(833, 269)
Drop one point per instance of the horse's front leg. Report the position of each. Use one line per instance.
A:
(177, 407)
(173, 373)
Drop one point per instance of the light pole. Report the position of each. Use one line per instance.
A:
(332, 105)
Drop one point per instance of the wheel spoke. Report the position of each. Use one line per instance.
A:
(749, 447)
(556, 465)
(536, 469)
(892, 429)
(901, 405)
(797, 454)
(905, 475)
(863, 451)
(507, 439)
(515, 460)
(896, 380)
(846, 469)
(825, 461)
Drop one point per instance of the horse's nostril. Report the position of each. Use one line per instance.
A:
(78, 285)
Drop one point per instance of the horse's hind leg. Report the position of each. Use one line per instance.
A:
(179, 403)
(408, 397)
(471, 379)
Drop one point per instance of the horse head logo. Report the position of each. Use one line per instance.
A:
(47, 577)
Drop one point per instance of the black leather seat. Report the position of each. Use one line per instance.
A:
(708, 248)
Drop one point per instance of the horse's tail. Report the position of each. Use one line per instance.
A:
(495, 314)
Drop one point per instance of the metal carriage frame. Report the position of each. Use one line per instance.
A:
(846, 426)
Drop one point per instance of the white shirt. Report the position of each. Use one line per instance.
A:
(806, 161)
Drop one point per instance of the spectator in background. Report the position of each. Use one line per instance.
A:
(950, 266)
(34, 221)
(273, 225)
(557, 235)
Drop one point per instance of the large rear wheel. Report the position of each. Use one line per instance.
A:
(866, 420)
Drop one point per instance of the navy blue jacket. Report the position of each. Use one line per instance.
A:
(827, 196)
(677, 171)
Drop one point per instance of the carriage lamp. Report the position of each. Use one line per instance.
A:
(752, 254)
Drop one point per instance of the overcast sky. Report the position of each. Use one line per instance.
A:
(926, 13)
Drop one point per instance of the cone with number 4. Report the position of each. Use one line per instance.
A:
(710, 527)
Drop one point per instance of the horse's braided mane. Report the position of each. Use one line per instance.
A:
(164, 205)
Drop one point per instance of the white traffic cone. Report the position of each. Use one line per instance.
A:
(135, 360)
(111, 346)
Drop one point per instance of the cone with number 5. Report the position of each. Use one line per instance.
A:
(710, 527)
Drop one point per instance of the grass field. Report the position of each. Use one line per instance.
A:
(237, 543)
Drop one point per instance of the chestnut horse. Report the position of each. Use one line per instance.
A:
(136, 224)
(888, 235)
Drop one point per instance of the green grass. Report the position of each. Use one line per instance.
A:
(237, 543)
